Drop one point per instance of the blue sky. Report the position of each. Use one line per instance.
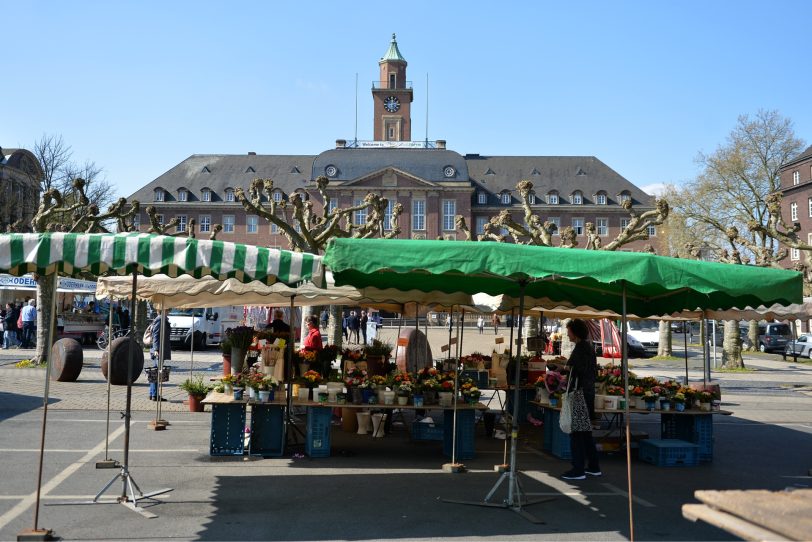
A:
(643, 85)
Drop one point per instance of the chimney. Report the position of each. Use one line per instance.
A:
(251, 153)
(341, 143)
(441, 143)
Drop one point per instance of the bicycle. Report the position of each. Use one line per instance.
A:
(102, 339)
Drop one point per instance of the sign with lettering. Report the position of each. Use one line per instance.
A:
(499, 340)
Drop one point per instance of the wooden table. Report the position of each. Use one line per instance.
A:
(692, 425)
(267, 425)
(756, 514)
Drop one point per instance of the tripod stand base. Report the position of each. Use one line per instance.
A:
(455, 468)
(108, 464)
(157, 425)
(35, 534)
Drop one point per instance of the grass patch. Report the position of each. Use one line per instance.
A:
(734, 370)
(25, 363)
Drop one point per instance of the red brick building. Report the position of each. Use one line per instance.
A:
(796, 188)
(430, 181)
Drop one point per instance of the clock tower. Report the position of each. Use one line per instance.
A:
(392, 96)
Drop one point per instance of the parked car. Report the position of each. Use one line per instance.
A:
(773, 337)
(634, 349)
(801, 347)
(647, 333)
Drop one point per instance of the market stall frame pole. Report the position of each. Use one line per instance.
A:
(159, 424)
(624, 356)
(128, 482)
(288, 375)
(107, 462)
(514, 499)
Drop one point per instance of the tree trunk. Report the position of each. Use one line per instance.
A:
(334, 333)
(530, 326)
(664, 345)
(45, 295)
(732, 345)
(566, 345)
(752, 334)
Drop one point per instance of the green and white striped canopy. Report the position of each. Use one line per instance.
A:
(147, 254)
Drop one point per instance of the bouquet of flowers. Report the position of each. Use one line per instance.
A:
(554, 382)
(355, 377)
(351, 355)
(240, 337)
(405, 389)
(378, 380)
(311, 379)
(399, 378)
(430, 384)
(705, 396)
(268, 383)
(254, 380)
(539, 383)
(679, 397)
(306, 356)
(616, 391)
(636, 391)
(470, 392)
(427, 372)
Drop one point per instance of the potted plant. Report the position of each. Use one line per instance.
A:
(679, 401)
(239, 386)
(404, 390)
(353, 378)
(267, 387)
(649, 398)
(310, 379)
(705, 398)
(197, 390)
(228, 383)
(376, 355)
(240, 338)
(470, 392)
(225, 347)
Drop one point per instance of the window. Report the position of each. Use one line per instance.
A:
(578, 226)
(624, 223)
(229, 194)
(794, 254)
(531, 198)
(181, 222)
(419, 214)
(137, 221)
(600, 198)
(332, 206)
(206, 194)
(506, 198)
(359, 218)
(480, 224)
(205, 223)
(183, 195)
(557, 221)
(251, 224)
(809, 204)
(274, 228)
(624, 196)
(392, 80)
(793, 212)
(158, 195)
(482, 198)
(228, 223)
(652, 231)
(160, 219)
(449, 213)
(577, 197)
(602, 225)
(387, 215)
(277, 196)
(552, 198)
(796, 177)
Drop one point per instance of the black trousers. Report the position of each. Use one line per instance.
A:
(582, 446)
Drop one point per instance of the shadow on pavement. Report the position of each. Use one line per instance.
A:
(13, 404)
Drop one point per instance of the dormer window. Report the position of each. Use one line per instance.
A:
(229, 194)
(531, 198)
(505, 198)
(624, 197)
(277, 196)
(206, 194)
(577, 198)
(482, 198)
(600, 198)
(183, 195)
(158, 195)
(552, 198)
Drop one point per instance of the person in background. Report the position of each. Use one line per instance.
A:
(160, 330)
(583, 371)
(124, 317)
(480, 324)
(325, 318)
(312, 342)
(363, 322)
(10, 327)
(116, 319)
(29, 317)
(495, 322)
(278, 325)
(355, 326)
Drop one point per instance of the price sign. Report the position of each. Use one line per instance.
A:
(444, 348)
(499, 340)
(453, 340)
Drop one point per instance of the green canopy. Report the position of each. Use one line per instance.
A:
(74, 253)
(655, 285)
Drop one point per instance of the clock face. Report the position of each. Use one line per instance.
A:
(391, 104)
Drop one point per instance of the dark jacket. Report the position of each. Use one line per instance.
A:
(10, 320)
(583, 367)
(157, 333)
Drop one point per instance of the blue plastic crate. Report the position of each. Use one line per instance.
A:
(227, 429)
(267, 430)
(465, 433)
(426, 431)
(318, 431)
(480, 378)
(669, 452)
(697, 429)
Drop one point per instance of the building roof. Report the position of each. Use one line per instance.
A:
(217, 172)
(354, 163)
(564, 174)
(800, 158)
(393, 53)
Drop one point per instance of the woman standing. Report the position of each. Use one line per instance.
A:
(583, 370)
(160, 331)
(480, 324)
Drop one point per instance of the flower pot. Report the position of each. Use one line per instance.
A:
(195, 404)
(445, 398)
(363, 422)
(228, 389)
(357, 396)
(341, 398)
(263, 396)
(304, 394)
(323, 396)
(367, 396)
(403, 400)
(650, 405)
(542, 395)
(388, 397)
(226, 365)
(237, 360)
(553, 401)
(417, 400)
(679, 407)
(705, 407)
(252, 394)
(238, 394)
(665, 406)
(640, 403)
(378, 425)
(430, 397)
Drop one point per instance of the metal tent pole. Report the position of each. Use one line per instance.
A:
(625, 363)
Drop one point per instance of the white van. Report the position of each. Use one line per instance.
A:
(647, 332)
(209, 324)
